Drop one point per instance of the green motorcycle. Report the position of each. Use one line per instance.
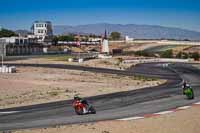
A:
(188, 91)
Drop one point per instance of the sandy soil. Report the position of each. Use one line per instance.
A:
(141, 46)
(112, 63)
(39, 85)
(192, 49)
(186, 121)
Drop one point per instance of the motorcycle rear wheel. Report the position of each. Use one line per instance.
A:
(92, 110)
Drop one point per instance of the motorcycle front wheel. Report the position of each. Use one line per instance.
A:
(79, 111)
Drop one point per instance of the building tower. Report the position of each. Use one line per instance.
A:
(42, 30)
(105, 45)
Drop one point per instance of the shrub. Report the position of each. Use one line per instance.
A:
(115, 35)
(53, 93)
(142, 53)
(7, 33)
(119, 61)
(195, 56)
(167, 54)
(179, 55)
(185, 56)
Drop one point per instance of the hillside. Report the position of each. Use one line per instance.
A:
(132, 30)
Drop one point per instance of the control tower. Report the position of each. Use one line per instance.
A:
(105, 44)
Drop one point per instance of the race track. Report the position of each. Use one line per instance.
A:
(110, 106)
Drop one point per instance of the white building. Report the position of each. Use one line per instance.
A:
(42, 30)
(127, 39)
(17, 40)
(91, 39)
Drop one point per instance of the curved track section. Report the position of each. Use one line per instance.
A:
(110, 106)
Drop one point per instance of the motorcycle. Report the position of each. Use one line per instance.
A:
(188, 92)
(82, 108)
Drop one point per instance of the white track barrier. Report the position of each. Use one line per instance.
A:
(157, 60)
(6, 69)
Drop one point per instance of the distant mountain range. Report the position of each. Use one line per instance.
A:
(132, 30)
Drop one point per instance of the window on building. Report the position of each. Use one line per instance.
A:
(16, 41)
(21, 41)
(25, 41)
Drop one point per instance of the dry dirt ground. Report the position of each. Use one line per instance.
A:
(133, 46)
(39, 85)
(112, 63)
(193, 49)
(186, 121)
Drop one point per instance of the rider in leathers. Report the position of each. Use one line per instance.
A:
(83, 101)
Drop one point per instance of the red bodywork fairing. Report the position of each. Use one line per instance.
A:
(78, 105)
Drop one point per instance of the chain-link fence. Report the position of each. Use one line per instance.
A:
(2, 49)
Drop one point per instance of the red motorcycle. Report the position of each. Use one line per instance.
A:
(82, 108)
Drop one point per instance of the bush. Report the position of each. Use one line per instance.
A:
(179, 55)
(115, 35)
(185, 56)
(195, 56)
(53, 93)
(7, 33)
(65, 38)
(142, 53)
(167, 54)
(119, 61)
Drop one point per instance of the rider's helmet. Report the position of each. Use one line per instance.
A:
(187, 85)
(76, 97)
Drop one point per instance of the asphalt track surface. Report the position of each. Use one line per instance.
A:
(110, 106)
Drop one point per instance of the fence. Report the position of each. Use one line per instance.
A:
(2, 49)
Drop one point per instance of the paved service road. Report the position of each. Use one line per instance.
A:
(110, 106)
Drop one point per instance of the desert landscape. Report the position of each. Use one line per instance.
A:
(108, 66)
(39, 85)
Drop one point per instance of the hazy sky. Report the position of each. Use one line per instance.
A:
(20, 14)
